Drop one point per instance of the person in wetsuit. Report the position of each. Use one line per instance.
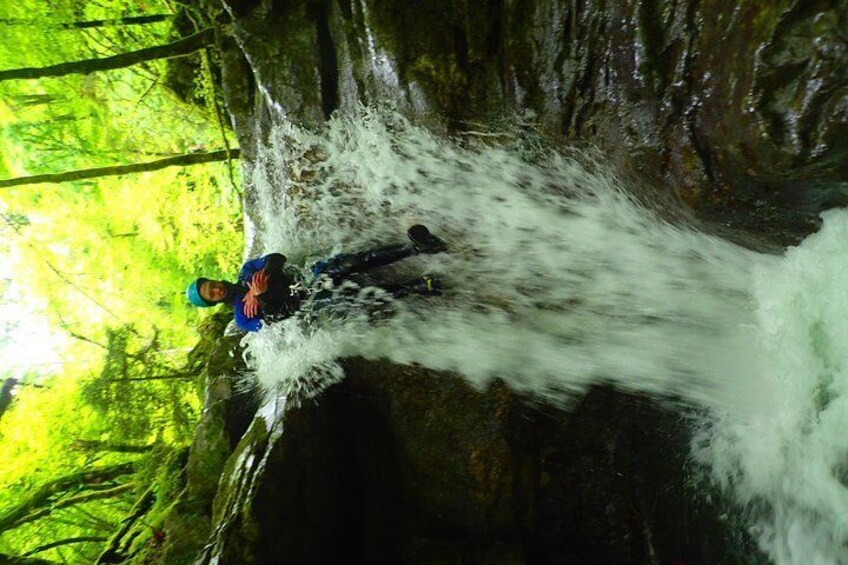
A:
(264, 290)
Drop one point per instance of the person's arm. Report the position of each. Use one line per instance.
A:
(273, 264)
(264, 284)
(276, 299)
(242, 321)
(249, 268)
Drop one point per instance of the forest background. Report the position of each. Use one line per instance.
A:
(95, 331)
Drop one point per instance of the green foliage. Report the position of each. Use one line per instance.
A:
(33, 453)
(140, 391)
(142, 237)
(86, 119)
(105, 261)
(37, 447)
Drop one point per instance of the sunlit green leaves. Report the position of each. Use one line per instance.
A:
(106, 260)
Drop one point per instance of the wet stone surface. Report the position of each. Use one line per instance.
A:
(736, 111)
(401, 465)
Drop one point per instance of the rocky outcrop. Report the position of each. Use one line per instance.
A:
(228, 407)
(400, 465)
(736, 110)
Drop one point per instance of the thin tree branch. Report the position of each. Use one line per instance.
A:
(12, 560)
(72, 501)
(68, 541)
(178, 48)
(180, 160)
(174, 377)
(112, 553)
(49, 491)
(96, 445)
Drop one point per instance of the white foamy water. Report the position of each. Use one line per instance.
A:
(794, 456)
(557, 279)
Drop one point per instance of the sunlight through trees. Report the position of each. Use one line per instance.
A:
(108, 103)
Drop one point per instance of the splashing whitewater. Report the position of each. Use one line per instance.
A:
(558, 278)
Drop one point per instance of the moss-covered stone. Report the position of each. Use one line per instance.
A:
(178, 526)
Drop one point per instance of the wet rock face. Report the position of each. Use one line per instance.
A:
(800, 85)
(398, 465)
(772, 119)
(739, 108)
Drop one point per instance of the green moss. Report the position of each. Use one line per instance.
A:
(255, 435)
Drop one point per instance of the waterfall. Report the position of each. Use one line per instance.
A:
(558, 278)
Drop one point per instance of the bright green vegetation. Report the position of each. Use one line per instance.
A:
(105, 262)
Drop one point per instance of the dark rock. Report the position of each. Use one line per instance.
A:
(401, 465)
(228, 408)
(738, 108)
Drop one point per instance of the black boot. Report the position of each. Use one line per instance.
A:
(423, 241)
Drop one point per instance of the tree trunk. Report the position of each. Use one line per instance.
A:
(128, 21)
(181, 47)
(113, 554)
(45, 495)
(6, 395)
(179, 160)
(95, 445)
(72, 501)
(60, 543)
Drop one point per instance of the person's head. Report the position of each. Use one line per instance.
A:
(205, 292)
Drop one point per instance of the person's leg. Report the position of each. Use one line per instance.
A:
(345, 264)
(426, 285)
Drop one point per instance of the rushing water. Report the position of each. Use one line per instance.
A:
(558, 278)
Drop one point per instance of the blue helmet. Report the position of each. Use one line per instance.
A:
(193, 294)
